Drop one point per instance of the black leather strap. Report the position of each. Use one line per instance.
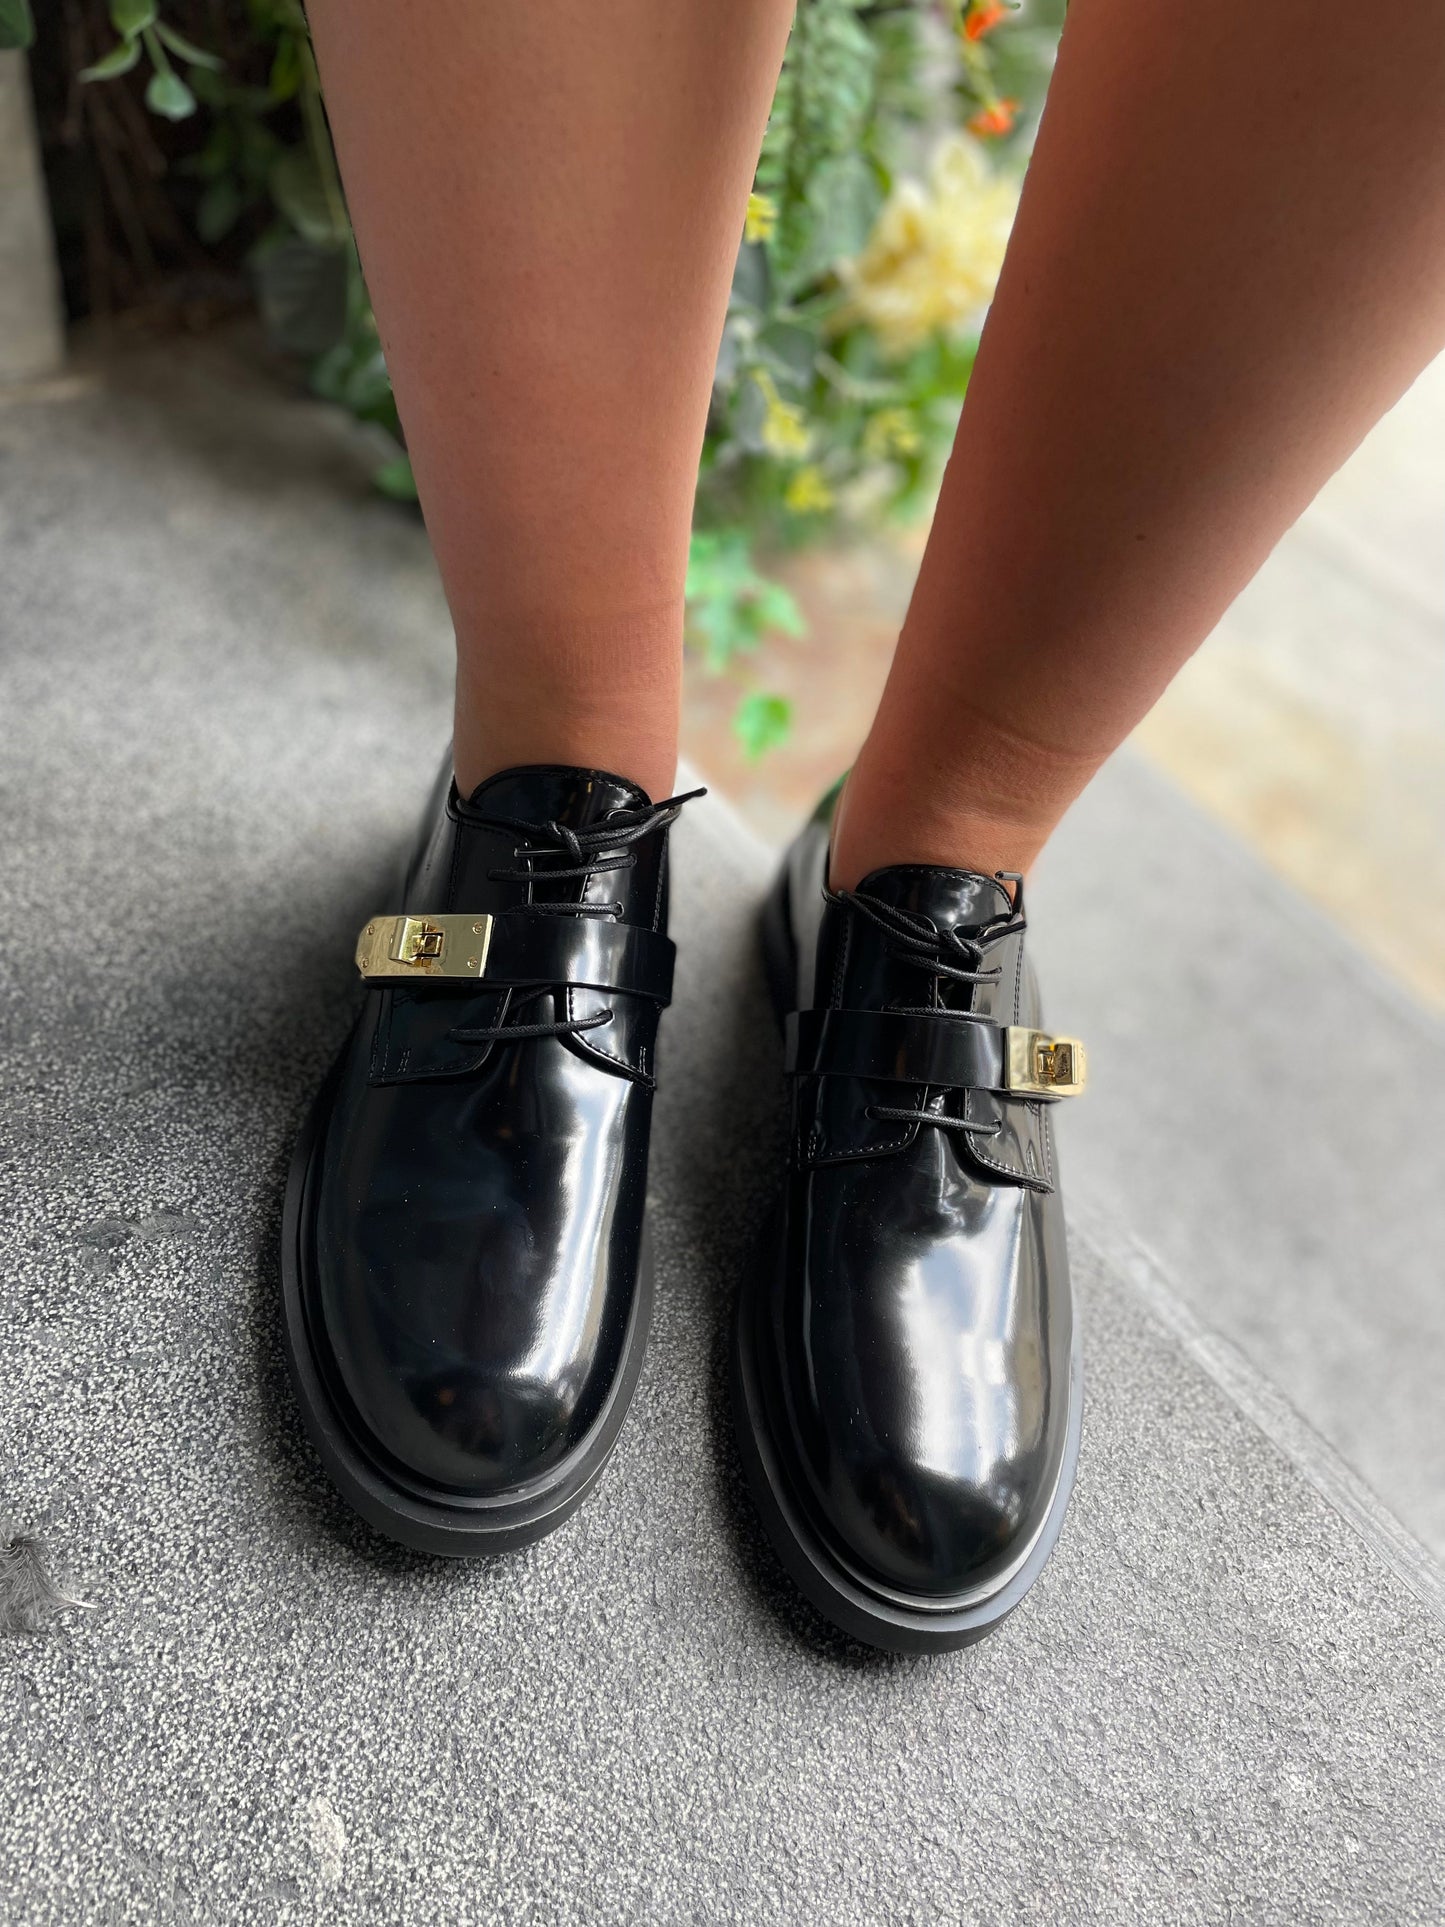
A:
(586, 952)
(959, 1053)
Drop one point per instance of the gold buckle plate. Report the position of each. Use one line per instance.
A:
(401, 949)
(1038, 1065)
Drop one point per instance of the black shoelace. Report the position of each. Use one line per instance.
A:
(605, 848)
(950, 957)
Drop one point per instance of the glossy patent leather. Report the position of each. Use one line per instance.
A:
(914, 1342)
(469, 1235)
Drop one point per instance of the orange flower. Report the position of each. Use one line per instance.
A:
(981, 19)
(997, 118)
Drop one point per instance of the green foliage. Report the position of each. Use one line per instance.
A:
(816, 411)
(731, 605)
(352, 374)
(124, 55)
(240, 152)
(731, 609)
(17, 24)
(394, 478)
(132, 17)
(813, 415)
(187, 50)
(761, 722)
(305, 196)
(168, 95)
(854, 93)
(142, 30)
(820, 162)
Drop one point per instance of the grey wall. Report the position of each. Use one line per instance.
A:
(32, 342)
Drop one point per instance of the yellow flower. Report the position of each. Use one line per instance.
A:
(808, 493)
(784, 431)
(761, 219)
(932, 260)
(890, 432)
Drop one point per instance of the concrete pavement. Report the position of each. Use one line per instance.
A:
(223, 680)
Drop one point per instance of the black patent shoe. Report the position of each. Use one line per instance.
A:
(466, 1280)
(906, 1373)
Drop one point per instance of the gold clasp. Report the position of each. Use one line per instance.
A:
(395, 949)
(417, 941)
(1038, 1065)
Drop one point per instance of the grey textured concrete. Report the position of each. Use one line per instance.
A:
(1267, 1114)
(223, 678)
(32, 343)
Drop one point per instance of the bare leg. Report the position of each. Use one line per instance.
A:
(1229, 261)
(548, 198)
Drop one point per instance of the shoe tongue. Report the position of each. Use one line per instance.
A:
(554, 793)
(954, 899)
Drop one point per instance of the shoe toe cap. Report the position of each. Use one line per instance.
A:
(476, 1385)
(930, 1485)
(934, 1533)
(479, 1426)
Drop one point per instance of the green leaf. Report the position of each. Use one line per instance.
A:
(789, 351)
(731, 607)
(219, 210)
(121, 58)
(367, 392)
(278, 16)
(843, 199)
(300, 193)
(285, 78)
(761, 722)
(187, 50)
(257, 147)
(213, 89)
(216, 158)
(394, 478)
(777, 610)
(17, 24)
(169, 96)
(132, 17)
(725, 368)
(748, 412)
(752, 284)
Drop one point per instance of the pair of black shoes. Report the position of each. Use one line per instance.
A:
(467, 1280)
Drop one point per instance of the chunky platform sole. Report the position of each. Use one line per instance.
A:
(428, 1518)
(845, 1598)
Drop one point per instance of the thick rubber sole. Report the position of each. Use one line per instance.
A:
(427, 1518)
(842, 1596)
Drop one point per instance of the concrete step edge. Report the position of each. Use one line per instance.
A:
(1266, 1407)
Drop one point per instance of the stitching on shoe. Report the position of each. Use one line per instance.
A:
(1046, 1138)
(1019, 980)
(381, 1027)
(845, 952)
(1028, 1179)
(661, 885)
(636, 1073)
(906, 1133)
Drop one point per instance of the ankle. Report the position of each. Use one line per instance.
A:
(965, 796)
(879, 824)
(590, 707)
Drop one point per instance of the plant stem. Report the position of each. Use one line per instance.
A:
(318, 136)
